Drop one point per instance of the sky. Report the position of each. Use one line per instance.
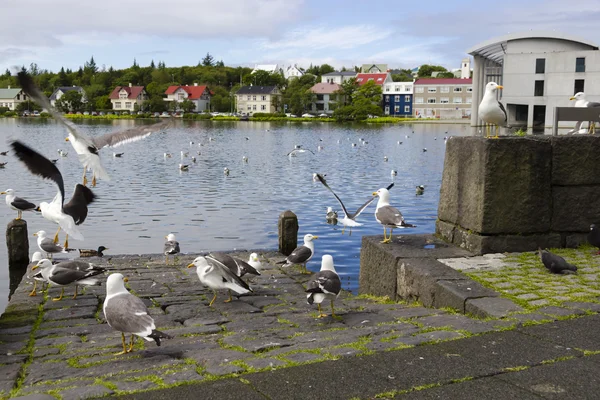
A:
(67, 33)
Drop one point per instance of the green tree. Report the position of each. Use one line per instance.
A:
(152, 66)
(365, 100)
(208, 61)
(425, 70)
(187, 106)
(103, 102)
(405, 75)
(156, 104)
(63, 78)
(346, 91)
(265, 78)
(297, 94)
(27, 106)
(447, 74)
(90, 67)
(70, 101)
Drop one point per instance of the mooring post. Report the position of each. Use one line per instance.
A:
(17, 242)
(288, 232)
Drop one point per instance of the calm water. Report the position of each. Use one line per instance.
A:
(148, 197)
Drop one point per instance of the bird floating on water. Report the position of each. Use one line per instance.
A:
(184, 167)
(420, 190)
(293, 153)
(118, 155)
(385, 158)
(226, 171)
(394, 172)
(244, 159)
(167, 155)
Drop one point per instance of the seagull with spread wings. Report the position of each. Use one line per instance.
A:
(87, 148)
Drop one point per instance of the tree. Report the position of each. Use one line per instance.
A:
(152, 66)
(63, 79)
(156, 104)
(220, 64)
(103, 102)
(27, 106)
(405, 75)
(447, 74)
(90, 67)
(361, 101)
(265, 78)
(33, 69)
(346, 91)
(425, 70)
(297, 94)
(208, 61)
(70, 101)
(187, 105)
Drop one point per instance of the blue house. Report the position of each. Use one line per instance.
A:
(398, 99)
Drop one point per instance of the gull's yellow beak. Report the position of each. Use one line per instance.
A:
(500, 87)
(3, 193)
(191, 265)
(35, 234)
(572, 98)
(315, 237)
(125, 279)
(36, 266)
(66, 139)
(374, 193)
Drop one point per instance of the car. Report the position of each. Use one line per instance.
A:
(94, 113)
(156, 114)
(140, 113)
(78, 113)
(307, 115)
(36, 113)
(26, 113)
(164, 115)
(86, 113)
(323, 115)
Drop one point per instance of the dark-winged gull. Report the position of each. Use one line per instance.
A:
(388, 216)
(594, 237)
(555, 263)
(330, 214)
(324, 285)
(87, 147)
(69, 273)
(47, 245)
(235, 265)
(127, 314)
(255, 262)
(92, 253)
(420, 190)
(491, 111)
(67, 216)
(36, 276)
(301, 254)
(171, 247)
(216, 276)
(349, 218)
(581, 101)
(17, 203)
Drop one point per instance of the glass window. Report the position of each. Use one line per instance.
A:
(254, 107)
(469, 89)
(387, 110)
(579, 85)
(397, 99)
(539, 88)
(407, 99)
(128, 104)
(445, 89)
(419, 100)
(457, 90)
(396, 88)
(431, 90)
(469, 100)
(264, 98)
(263, 107)
(540, 65)
(580, 64)
(458, 100)
(249, 97)
(253, 98)
(444, 100)
(406, 109)
(419, 89)
(396, 109)
(431, 100)
(320, 97)
(387, 99)
(118, 104)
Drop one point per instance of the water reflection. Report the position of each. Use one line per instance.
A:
(148, 196)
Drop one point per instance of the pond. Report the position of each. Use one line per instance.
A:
(149, 197)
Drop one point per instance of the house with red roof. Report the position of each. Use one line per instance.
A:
(379, 78)
(444, 98)
(124, 98)
(200, 95)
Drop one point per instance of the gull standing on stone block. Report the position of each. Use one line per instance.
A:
(388, 216)
(18, 204)
(216, 276)
(301, 254)
(581, 101)
(69, 273)
(47, 245)
(324, 285)
(171, 247)
(127, 314)
(237, 266)
(555, 263)
(491, 111)
(254, 261)
(36, 276)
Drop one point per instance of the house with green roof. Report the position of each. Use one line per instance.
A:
(11, 97)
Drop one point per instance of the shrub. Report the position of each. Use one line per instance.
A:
(10, 114)
(44, 115)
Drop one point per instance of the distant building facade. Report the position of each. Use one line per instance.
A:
(326, 97)
(11, 97)
(444, 98)
(125, 98)
(398, 99)
(338, 77)
(292, 72)
(59, 92)
(257, 99)
(270, 68)
(374, 68)
(199, 95)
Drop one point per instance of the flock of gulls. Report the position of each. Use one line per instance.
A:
(123, 311)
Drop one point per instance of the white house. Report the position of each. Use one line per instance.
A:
(124, 98)
(292, 72)
(199, 95)
(12, 97)
(257, 99)
(60, 91)
(338, 77)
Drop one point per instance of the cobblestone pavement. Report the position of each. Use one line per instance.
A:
(65, 348)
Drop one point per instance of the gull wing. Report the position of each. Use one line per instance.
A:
(225, 271)
(77, 206)
(324, 182)
(118, 138)
(39, 165)
(503, 110)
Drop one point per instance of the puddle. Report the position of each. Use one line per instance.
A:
(429, 246)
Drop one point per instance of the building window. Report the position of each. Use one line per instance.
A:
(396, 109)
(407, 88)
(263, 98)
(444, 100)
(387, 88)
(431, 90)
(540, 65)
(387, 110)
(407, 99)
(128, 104)
(419, 100)
(469, 99)
(263, 107)
(396, 88)
(253, 98)
(397, 99)
(249, 97)
(419, 89)
(431, 100)
(580, 64)
(387, 99)
(180, 96)
(254, 106)
(579, 84)
(539, 88)
(123, 95)
(445, 89)
(469, 90)
(249, 107)
(407, 109)
(458, 100)
(457, 90)
(319, 97)
(118, 104)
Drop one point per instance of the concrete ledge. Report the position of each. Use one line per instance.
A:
(456, 293)
(496, 307)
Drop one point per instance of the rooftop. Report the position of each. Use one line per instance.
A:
(325, 88)
(256, 89)
(444, 81)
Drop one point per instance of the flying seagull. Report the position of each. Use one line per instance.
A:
(349, 218)
(87, 147)
(17, 203)
(128, 314)
(295, 152)
(301, 254)
(171, 247)
(555, 263)
(324, 285)
(331, 214)
(581, 101)
(388, 216)
(67, 216)
(491, 111)
(216, 276)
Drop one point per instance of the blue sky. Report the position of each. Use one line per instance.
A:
(246, 32)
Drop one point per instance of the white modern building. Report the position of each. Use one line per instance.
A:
(338, 77)
(538, 70)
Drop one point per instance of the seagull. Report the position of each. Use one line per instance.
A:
(184, 167)
(193, 159)
(385, 158)
(92, 253)
(353, 144)
(3, 164)
(226, 171)
(86, 147)
(238, 267)
(118, 155)
(247, 138)
(399, 142)
(424, 149)
(319, 148)
(254, 261)
(244, 159)
(67, 216)
(394, 172)
(184, 154)
(420, 190)
(331, 214)
(301, 254)
(555, 263)
(324, 285)
(216, 276)
(594, 237)
(349, 218)
(191, 144)
(297, 146)
(128, 314)
(167, 155)
(491, 111)
(581, 101)
(294, 152)
(35, 258)
(388, 216)
(47, 245)
(68, 273)
(171, 247)
(17, 203)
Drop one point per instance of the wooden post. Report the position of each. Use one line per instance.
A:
(288, 232)
(17, 242)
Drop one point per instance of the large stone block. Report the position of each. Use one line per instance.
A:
(576, 160)
(575, 208)
(491, 307)
(482, 244)
(455, 293)
(497, 186)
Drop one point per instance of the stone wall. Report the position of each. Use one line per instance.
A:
(519, 193)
